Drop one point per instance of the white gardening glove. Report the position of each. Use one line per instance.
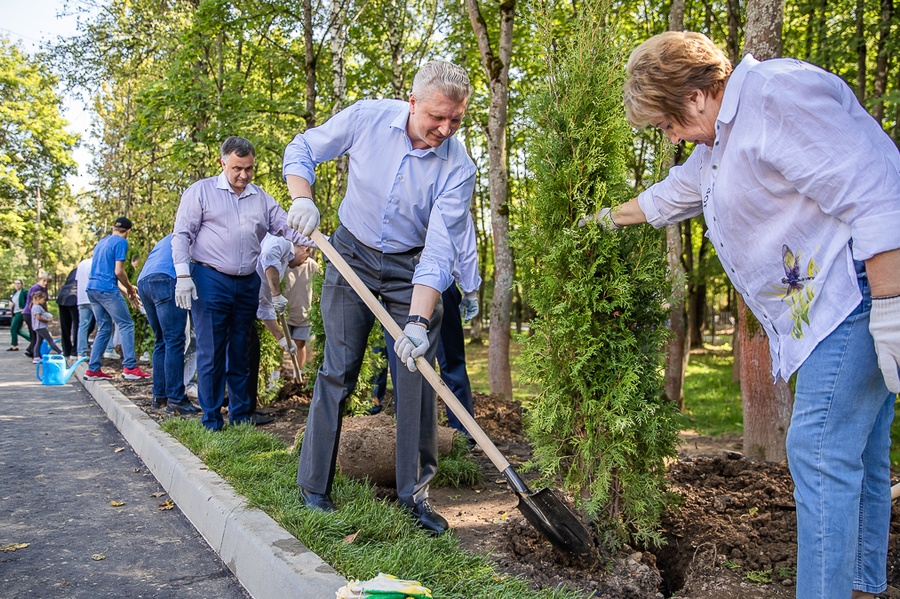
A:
(412, 344)
(468, 308)
(303, 216)
(185, 291)
(603, 218)
(884, 325)
(288, 345)
(280, 303)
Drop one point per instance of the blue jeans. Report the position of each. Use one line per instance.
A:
(167, 321)
(838, 451)
(109, 307)
(85, 324)
(223, 316)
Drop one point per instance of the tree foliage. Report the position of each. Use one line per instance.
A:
(600, 421)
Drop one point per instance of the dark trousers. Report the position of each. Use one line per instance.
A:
(253, 358)
(223, 315)
(451, 357)
(68, 323)
(347, 321)
(32, 337)
(167, 321)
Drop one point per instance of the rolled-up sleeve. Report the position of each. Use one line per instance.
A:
(446, 228)
(320, 144)
(675, 198)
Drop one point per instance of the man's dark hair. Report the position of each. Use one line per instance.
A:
(237, 145)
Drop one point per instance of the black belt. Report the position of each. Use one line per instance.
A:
(220, 272)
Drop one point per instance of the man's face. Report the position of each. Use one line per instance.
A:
(433, 119)
(301, 254)
(238, 170)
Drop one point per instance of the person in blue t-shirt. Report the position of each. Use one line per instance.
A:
(156, 288)
(108, 305)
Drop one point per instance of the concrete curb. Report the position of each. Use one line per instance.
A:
(267, 560)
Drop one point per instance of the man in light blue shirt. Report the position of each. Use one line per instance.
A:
(405, 210)
(220, 224)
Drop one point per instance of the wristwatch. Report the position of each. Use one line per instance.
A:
(416, 319)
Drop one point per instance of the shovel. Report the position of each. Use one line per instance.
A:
(285, 329)
(543, 509)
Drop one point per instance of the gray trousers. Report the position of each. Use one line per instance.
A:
(347, 322)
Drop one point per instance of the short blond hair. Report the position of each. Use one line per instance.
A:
(665, 69)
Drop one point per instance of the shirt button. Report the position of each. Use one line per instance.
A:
(400, 177)
(715, 166)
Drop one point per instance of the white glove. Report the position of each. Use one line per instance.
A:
(412, 344)
(603, 218)
(884, 325)
(185, 291)
(280, 303)
(303, 216)
(468, 308)
(288, 345)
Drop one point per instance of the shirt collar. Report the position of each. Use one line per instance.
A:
(223, 184)
(399, 123)
(733, 89)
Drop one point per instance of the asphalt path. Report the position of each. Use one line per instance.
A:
(87, 508)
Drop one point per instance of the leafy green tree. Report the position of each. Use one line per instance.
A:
(600, 422)
(35, 159)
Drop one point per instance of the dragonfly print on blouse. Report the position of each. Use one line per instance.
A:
(794, 288)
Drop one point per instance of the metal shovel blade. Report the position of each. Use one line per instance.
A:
(552, 518)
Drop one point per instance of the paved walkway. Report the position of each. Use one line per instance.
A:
(67, 452)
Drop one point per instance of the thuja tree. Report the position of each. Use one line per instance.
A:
(600, 423)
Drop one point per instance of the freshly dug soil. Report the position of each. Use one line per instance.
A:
(730, 531)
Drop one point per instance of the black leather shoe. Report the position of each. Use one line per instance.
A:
(316, 501)
(257, 418)
(429, 519)
(159, 403)
(182, 408)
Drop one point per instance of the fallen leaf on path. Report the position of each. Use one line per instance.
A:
(14, 546)
(350, 538)
(117, 503)
(136, 470)
(158, 494)
(98, 557)
(118, 449)
(166, 505)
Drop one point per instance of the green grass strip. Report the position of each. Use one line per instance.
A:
(261, 468)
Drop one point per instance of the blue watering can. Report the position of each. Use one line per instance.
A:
(51, 370)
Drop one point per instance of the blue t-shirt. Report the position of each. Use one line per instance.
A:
(159, 261)
(107, 252)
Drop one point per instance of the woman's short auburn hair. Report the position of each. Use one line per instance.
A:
(663, 71)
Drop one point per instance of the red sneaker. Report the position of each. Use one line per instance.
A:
(134, 373)
(96, 375)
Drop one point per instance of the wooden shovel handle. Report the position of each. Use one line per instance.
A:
(425, 368)
(286, 330)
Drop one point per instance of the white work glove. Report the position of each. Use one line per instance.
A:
(185, 291)
(288, 345)
(303, 216)
(412, 344)
(468, 307)
(280, 303)
(603, 218)
(884, 325)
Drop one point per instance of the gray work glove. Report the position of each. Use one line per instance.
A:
(603, 218)
(303, 216)
(185, 292)
(468, 308)
(412, 344)
(884, 325)
(280, 303)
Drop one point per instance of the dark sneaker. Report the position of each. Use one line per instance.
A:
(134, 374)
(182, 408)
(316, 501)
(258, 418)
(96, 375)
(159, 403)
(375, 408)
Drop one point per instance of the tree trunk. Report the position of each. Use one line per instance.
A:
(310, 62)
(860, 42)
(496, 68)
(767, 404)
(882, 61)
(337, 18)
